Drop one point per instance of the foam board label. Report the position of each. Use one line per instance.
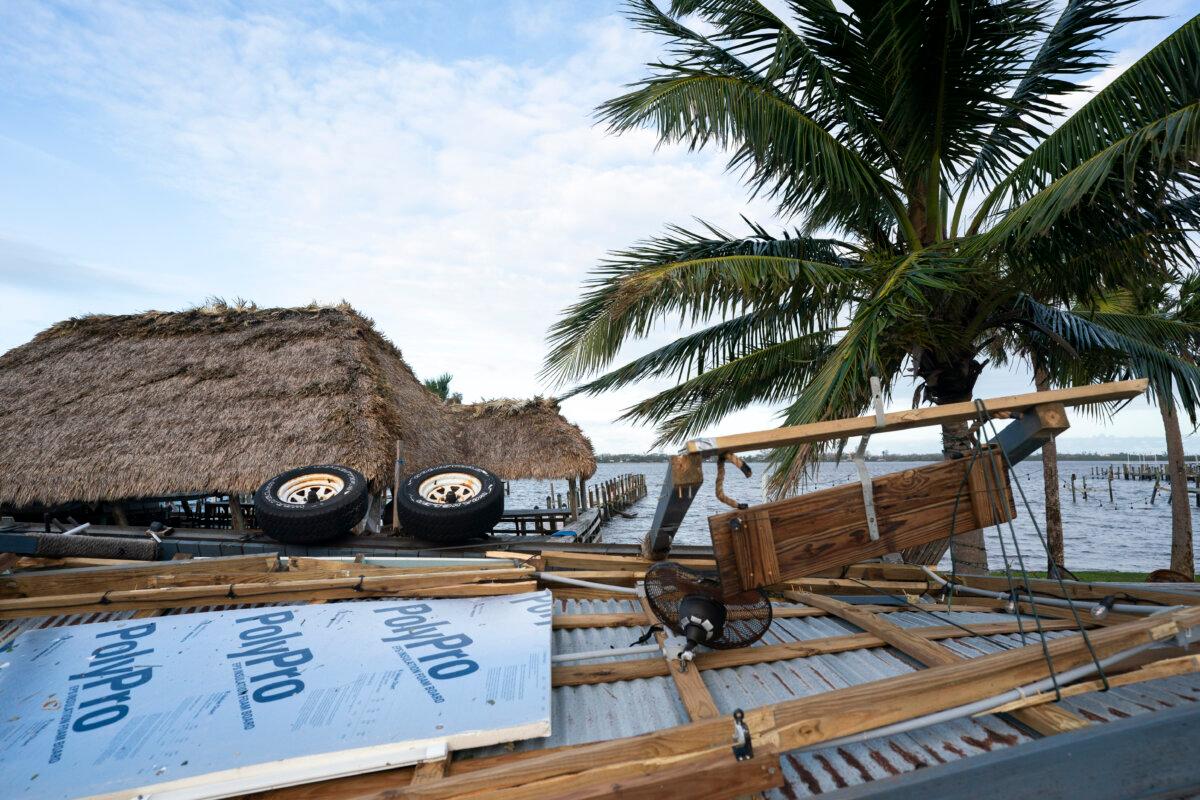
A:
(233, 698)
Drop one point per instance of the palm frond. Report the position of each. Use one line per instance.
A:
(1071, 48)
(693, 277)
(1112, 345)
(1132, 167)
(708, 96)
(1151, 90)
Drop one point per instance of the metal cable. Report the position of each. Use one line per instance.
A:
(1046, 546)
(993, 481)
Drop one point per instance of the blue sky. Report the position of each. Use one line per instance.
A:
(433, 162)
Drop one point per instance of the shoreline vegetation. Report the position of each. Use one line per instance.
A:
(1115, 458)
(1093, 575)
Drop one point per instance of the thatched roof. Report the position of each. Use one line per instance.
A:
(215, 399)
(523, 439)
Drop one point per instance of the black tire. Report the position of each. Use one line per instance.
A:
(450, 522)
(311, 522)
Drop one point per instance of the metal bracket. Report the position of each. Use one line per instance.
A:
(743, 747)
(864, 477)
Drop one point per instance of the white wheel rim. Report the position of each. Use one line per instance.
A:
(459, 485)
(325, 484)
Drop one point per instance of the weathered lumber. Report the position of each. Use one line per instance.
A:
(828, 528)
(138, 575)
(295, 591)
(1045, 720)
(634, 619)
(815, 719)
(1083, 590)
(631, 669)
(568, 560)
(692, 691)
(1166, 668)
(914, 418)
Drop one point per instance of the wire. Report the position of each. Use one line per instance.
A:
(931, 612)
(992, 481)
(1046, 546)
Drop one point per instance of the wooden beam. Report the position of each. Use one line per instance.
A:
(562, 559)
(445, 584)
(914, 418)
(692, 691)
(810, 720)
(137, 575)
(1166, 668)
(237, 518)
(637, 619)
(632, 669)
(905, 640)
(1083, 590)
(430, 771)
(1047, 720)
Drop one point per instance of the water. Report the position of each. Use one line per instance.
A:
(1126, 534)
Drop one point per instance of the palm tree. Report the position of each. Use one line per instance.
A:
(441, 387)
(1178, 305)
(935, 216)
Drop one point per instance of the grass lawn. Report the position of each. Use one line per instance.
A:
(1110, 576)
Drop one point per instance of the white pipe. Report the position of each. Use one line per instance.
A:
(979, 706)
(1120, 608)
(638, 650)
(607, 587)
(77, 529)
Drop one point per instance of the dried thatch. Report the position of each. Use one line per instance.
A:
(215, 399)
(523, 439)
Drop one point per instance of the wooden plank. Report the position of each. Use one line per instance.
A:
(631, 669)
(243, 593)
(692, 691)
(754, 549)
(914, 418)
(430, 771)
(1034, 428)
(715, 771)
(568, 560)
(637, 619)
(828, 529)
(811, 720)
(137, 575)
(1166, 668)
(854, 586)
(905, 640)
(1045, 720)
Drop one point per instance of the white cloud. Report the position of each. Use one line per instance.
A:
(458, 202)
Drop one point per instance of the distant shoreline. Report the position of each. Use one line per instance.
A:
(1115, 458)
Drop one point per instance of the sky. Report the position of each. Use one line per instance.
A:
(435, 163)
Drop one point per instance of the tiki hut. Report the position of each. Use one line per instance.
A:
(211, 400)
(523, 439)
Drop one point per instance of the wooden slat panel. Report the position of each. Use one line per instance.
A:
(754, 550)
(828, 528)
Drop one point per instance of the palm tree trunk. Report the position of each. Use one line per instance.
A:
(1182, 560)
(969, 553)
(1054, 526)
